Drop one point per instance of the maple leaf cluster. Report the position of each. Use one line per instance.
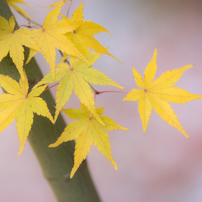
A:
(73, 37)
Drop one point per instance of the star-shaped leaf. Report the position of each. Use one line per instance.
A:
(18, 103)
(52, 36)
(82, 36)
(76, 76)
(155, 94)
(87, 131)
(12, 41)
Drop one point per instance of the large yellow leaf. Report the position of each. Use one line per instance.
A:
(76, 76)
(52, 36)
(12, 41)
(82, 35)
(20, 104)
(156, 94)
(87, 131)
(12, 4)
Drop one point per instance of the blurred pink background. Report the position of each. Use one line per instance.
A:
(159, 165)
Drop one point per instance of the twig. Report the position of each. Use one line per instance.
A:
(107, 91)
(51, 87)
(110, 91)
(69, 7)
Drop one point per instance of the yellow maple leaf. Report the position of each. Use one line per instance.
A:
(82, 35)
(12, 4)
(18, 103)
(12, 41)
(76, 76)
(87, 131)
(156, 93)
(52, 36)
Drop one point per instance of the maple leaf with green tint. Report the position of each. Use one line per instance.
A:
(51, 36)
(76, 76)
(156, 94)
(87, 131)
(82, 36)
(12, 41)
(18, 103)
(12, 4)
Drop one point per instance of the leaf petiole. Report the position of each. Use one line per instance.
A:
(110, 91)
(69, 7)
(107, 91)
(51, 87)
(27, 26)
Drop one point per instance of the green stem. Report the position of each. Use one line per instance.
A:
(57, 162)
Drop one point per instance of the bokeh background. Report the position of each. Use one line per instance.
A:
(159, 165)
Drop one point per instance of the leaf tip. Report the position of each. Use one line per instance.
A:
(144, 128)
(52, 145)
(20, 150)
(56, 116)
(186, 135)
(114, 164)
(71, 175)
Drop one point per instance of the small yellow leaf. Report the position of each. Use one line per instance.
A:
(156, 94)
(87, 131)
(82, 35)
(20, 104)
(52, 36)
(12, 41)
(77, 76)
